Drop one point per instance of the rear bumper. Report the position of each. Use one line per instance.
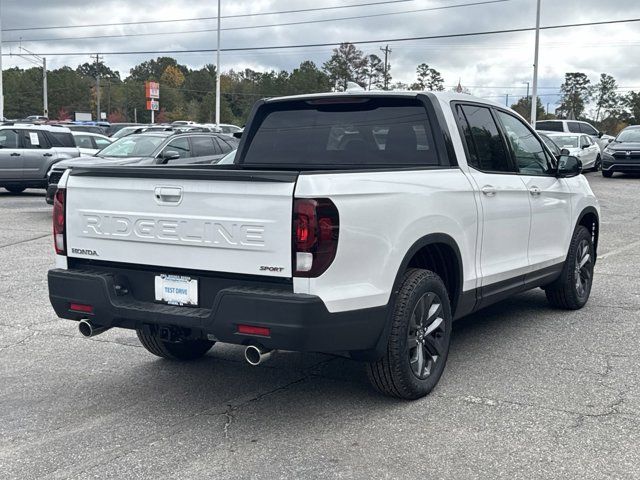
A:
(296, 321)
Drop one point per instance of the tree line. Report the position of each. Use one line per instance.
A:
(188, 94)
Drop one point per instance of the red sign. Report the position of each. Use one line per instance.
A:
(152, 90)
(153, 105)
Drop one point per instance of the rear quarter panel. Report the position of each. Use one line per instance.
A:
(382, 214)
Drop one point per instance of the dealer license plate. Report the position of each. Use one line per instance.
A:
(176, 290)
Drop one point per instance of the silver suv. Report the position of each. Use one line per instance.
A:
(27, 153)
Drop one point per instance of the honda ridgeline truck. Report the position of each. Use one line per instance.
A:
(359, 224)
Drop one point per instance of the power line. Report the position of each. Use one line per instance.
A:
(241, 15)
(250, 27)
(360, 42)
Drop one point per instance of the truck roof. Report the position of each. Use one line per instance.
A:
(442, 96)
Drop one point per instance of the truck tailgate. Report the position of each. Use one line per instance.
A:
(224, 221)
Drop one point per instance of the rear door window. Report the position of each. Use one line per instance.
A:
(84, 141)
(34, 139)
(62, 139)
(485, 146)
(351, 132)
(203, 146)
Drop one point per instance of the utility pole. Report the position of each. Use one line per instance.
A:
(218, 70)
(98, 87)
(387, 52)
(506, 101)
(534, 99)
(45, 93)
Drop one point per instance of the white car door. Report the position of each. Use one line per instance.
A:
(589, 152)
(506, 211)
(549, 196)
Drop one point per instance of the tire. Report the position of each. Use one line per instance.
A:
(419, 339)
(598, 164)
(607, 174)
(185, 350)
(571, 291)
(15, 189)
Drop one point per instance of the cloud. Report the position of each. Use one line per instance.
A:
(491, 65)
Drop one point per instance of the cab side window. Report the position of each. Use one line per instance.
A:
(588, 129)
(530, 155)
(485, 147)
(8, 139)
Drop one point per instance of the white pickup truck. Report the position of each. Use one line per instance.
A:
(359, 224)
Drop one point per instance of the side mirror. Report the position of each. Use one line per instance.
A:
(565, 151)
(609, 140)
(584, 146)
(238, 134)
(568, 166)
(168, 155)
(600, 134)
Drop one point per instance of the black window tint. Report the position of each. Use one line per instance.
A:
(8, 139)
(62, 139)
(588, 129)
(203, 146)
(527, 149)
(549, 126)
(574, 127)
(223, 145)
(34, 139)
(484, 139)
(351, 132)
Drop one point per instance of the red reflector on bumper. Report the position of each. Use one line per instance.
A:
(78, 307)
(253, 330)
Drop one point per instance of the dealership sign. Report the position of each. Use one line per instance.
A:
(153, 105)
(152, 90)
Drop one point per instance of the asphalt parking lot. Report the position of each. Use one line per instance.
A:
(529, 392)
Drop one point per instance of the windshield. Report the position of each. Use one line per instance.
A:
(631, 135)
(132, 146)
(565, 141)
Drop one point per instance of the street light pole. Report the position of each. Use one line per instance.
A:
(45, 96)
(534, 93)
(218, 70)
(1, 90)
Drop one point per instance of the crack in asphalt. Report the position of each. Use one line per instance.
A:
(24, 241)
(22, 341)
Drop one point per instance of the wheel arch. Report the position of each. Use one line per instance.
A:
(438, 252)
(590, 219)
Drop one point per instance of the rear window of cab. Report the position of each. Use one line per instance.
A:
(343, 132)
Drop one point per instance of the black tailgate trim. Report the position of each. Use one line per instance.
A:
(195, 172)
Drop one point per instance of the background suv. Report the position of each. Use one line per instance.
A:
(575, 126)
(27, 153)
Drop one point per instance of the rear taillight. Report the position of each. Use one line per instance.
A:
(315, 235)
(59, 214)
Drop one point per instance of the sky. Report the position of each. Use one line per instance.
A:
(491, 66)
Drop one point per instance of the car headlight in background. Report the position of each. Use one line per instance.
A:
(608, 151)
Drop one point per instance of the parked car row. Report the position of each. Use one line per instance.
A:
(151, 148)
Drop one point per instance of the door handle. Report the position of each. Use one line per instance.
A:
(489, 190)
(534, 191)
(168, 194)
(47, 154)
(14, 154)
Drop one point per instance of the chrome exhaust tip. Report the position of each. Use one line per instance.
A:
(256, 355)
(88, 329)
